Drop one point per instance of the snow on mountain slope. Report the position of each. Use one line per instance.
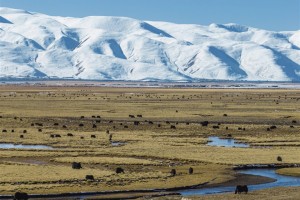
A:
(120, 48)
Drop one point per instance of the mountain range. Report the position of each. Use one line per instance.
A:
(35, 45)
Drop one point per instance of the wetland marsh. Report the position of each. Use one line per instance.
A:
(146, 131)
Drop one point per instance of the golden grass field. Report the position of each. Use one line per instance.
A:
(147, 150)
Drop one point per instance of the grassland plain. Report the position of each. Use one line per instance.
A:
(92, 125)
(291, 193)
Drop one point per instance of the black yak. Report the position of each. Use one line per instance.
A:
(204, 123)
(119, 170)
(76, 165)
(20, 196)
(173, 172)
(89, 177)
(241, 188)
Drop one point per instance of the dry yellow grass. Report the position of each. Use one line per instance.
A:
(12, 172)
(107, 160)
(289, 171)
(149, 148)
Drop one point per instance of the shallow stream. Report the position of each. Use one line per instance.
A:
(23, 146)
(281, 181)
(216, 141)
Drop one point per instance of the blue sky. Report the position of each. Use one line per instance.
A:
(268, 14)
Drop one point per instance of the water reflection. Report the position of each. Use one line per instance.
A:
(228, 142)
(281, 181)
(23, 146)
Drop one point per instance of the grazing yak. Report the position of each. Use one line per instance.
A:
(76, 165)
(273, 127)
(204, 123)
(119, 170)
(279, 158)
(241, 188)
(55, 135)
(89, 177)
(191, 170)
(20, 196)
(173, 172)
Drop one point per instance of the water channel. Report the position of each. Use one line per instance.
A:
(23, 146)
(281, 181)
(228, 142)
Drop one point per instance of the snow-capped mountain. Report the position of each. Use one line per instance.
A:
(35, 45)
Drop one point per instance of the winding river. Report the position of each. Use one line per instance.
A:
(281, 181)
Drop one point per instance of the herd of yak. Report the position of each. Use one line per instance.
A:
(77, 165)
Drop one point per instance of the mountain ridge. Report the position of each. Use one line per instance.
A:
(34, 45)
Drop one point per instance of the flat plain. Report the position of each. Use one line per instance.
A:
(145, 131)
